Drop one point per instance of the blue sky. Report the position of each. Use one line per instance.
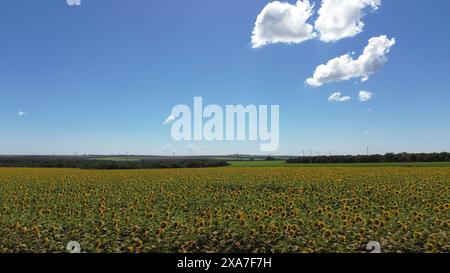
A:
(102, 77)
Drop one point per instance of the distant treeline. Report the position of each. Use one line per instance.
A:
(387, 158)
(67, 162)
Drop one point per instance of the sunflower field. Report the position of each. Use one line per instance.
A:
(241, 209)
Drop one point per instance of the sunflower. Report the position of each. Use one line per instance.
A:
(240, 215)
(320, 224)
(163, 225)
(417, 234)
(362, 231)
(274, 229)
(377, 223)
(261, 228)
(327, 233)
(294, 228)
(430, 247)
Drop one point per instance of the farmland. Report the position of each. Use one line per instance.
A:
(271, 208)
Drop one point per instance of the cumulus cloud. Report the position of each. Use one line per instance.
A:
(340, 19)
(365, 96)
(338, 97)
(73, 2)
(345, 67)
(283, 23)
(21, 113)
(169, 119)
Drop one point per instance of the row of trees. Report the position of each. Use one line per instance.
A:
(51, 162)
(387, 158)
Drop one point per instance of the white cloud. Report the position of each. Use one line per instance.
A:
(283, 23)
(340, 19)
(345, 67)
(73, 2)
(169, 119)
(167, 148)
(280, 22)
(365, 96)
(21, 113)
(338, 97)
(195, 148)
